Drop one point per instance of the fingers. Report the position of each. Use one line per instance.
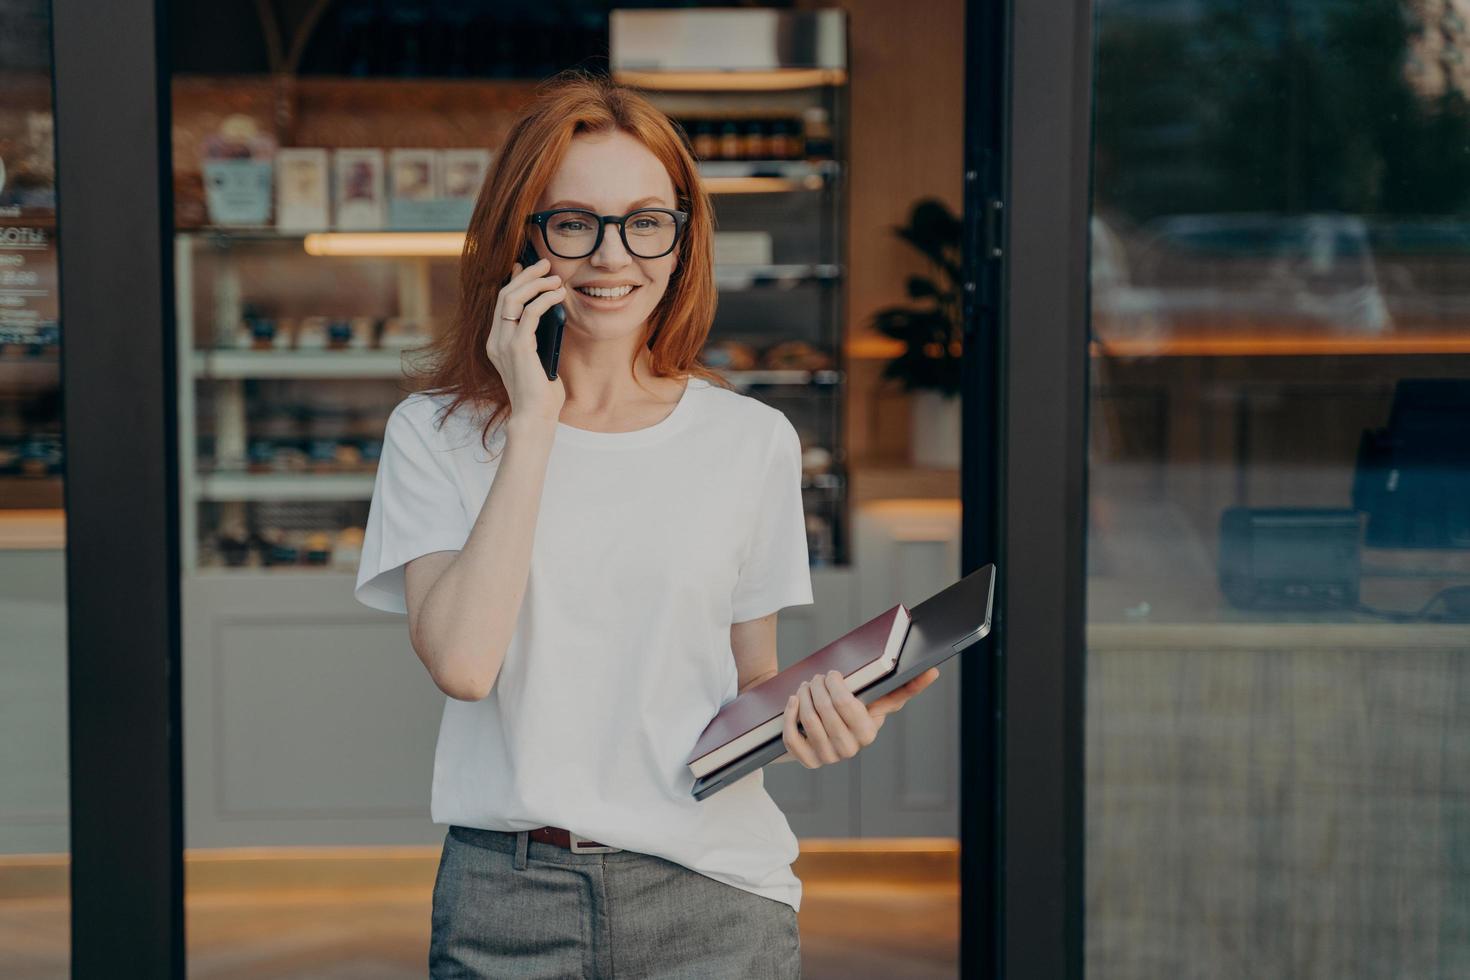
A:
(859, 720)
(923, 680)
(795, 742)
(816, 734)
(532, 311)
(540, 265)
(522, 276)
(846, 728)
(895, 699)
(516, 298)
(836, 725)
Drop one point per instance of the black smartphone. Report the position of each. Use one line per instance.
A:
(549, 328)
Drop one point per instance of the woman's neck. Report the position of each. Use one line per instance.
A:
(617, 397)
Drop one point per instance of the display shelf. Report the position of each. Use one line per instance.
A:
(771, 80)
(32, 529)
(238, 364)
(22, 493)
(349, 486)
(732, 276)
(283, 486)
(299, 364)
(751, 379)
(766, 177)
(799, 172)
(273, 575)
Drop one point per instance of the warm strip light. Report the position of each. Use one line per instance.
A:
(759, 185)
(385, 243)
(1280, 346)
(734, 81)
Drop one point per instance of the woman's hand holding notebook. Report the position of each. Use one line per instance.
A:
(757, 715)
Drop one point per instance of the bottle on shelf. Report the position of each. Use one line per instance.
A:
(817, 133)
(706, 147)
(754, 143)
(782, 142)
(729, 148)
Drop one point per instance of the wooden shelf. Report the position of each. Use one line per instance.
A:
(898, 482)
(299, 364)
(1257, 336)
(38, 529)
(771, 80)
(285, 486)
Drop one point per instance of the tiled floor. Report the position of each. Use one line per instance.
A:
(847, 931)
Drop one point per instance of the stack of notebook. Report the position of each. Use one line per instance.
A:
(757, 715)
(879, 656)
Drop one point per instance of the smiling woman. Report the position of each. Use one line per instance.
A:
(579, 591)
(588, 155)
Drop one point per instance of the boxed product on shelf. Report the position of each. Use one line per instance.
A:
(335, 333)
(303, 189)
(359, 197)
(311, 332)
(263, 333)
(237, 162)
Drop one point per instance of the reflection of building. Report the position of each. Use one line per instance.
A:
(1439, 52)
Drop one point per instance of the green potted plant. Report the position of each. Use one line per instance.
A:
(932, 334)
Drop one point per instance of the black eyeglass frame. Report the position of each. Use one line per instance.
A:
(538, 218)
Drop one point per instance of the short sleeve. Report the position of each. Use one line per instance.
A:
(415, 508)
(775, 572)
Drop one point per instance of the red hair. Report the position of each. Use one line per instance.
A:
(570, 103)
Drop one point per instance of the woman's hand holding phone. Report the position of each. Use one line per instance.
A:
(511, 345)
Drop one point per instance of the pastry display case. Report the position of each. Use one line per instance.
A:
(289, 363)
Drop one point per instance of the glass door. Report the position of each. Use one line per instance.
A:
(1278, 504)
(35, 846)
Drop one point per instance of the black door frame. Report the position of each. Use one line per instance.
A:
(1023, 482)
(110, 98)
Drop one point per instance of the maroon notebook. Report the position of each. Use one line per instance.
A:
(756, 716)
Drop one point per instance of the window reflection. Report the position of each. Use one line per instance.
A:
(1279, 489)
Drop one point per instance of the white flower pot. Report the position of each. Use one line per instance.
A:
(935, 425)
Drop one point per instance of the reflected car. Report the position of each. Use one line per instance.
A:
(1255, 268)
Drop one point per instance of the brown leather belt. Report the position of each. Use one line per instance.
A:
(570, 841)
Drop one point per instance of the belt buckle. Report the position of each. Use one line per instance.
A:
(578, 847)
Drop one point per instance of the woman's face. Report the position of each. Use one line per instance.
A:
(609, 173)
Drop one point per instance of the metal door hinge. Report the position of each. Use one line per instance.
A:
(993, 248)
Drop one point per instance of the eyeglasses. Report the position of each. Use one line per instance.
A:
(575, 233)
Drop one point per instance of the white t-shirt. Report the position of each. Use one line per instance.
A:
(648, 545)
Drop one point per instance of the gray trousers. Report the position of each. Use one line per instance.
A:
(508, 906)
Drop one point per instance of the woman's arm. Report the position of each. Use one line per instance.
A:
(754, 644)
(462, 610)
